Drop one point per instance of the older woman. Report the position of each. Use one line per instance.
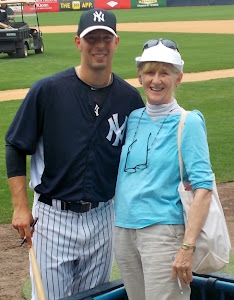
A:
(153, 250)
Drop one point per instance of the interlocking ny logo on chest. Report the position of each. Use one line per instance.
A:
(115, 129)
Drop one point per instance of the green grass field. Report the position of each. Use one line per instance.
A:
(201, 52)
(161, 14)
(217, 108)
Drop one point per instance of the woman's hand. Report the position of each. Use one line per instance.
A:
(182, 266)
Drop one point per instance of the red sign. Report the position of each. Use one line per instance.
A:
(47, 5)
(43, 6)
(112, 4)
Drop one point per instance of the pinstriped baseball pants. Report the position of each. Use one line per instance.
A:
(74, 251)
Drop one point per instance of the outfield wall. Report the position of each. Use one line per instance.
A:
(80, 5)
(174, 3)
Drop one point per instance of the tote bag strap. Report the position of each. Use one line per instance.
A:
(179, 138)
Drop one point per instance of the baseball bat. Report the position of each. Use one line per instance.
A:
(37, 275)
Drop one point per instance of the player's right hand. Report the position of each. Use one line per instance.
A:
(21, 221)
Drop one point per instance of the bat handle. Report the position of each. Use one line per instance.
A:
(37, 275)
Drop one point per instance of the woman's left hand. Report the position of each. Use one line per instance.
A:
(182, 266)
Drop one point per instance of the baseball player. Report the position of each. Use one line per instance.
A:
(73, 125)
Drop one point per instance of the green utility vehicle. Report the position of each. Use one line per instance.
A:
(19, 28)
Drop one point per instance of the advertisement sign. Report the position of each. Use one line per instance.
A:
(41, 6)
(179, 3)
(112, 4)
(148, 3)
(47, 5)
(65, 5)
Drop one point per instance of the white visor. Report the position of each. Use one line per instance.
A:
(161, 53)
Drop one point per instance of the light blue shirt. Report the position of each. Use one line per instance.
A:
(149, 195)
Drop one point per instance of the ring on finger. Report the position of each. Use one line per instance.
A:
(184, 273)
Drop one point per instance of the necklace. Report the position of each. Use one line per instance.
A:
(139, 121)
(77, 69)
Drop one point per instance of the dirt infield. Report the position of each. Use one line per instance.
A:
(14, 259)
(219, 26)
(188, 77)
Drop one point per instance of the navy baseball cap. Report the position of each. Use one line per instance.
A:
(94, 19)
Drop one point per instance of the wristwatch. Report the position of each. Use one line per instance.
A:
(188, 247)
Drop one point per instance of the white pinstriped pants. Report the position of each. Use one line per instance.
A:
(74, 251)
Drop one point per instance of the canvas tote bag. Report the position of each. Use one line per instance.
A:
(213, 245)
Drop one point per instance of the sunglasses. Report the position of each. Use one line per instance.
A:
(167, 43)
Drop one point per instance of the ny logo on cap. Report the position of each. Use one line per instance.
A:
(98, 16)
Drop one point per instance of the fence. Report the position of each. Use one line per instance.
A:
(215, 286)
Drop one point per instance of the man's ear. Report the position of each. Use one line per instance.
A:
(77, 42)
(116, 41)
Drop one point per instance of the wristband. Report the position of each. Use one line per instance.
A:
(188, 247)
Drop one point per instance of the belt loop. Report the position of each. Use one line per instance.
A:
(56, 204)
(63, 205)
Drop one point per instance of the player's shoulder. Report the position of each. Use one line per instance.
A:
(124, 85)
(55, 79)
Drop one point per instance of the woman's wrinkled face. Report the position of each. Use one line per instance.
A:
(159, 81)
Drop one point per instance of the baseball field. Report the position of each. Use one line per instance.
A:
(205, 38)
